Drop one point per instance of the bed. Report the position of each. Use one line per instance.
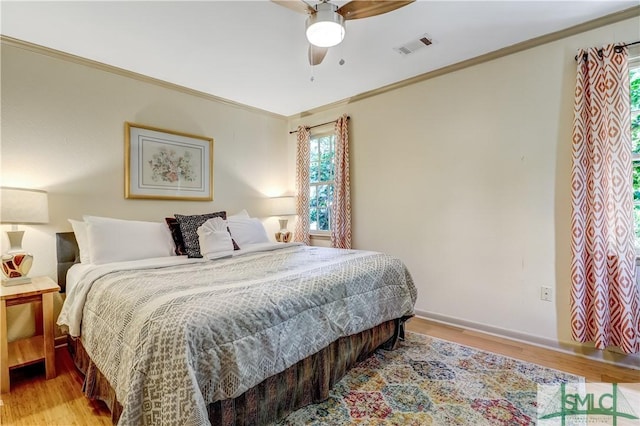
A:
(240, 340)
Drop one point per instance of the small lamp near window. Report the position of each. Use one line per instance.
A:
(20, 206)
(283, 206)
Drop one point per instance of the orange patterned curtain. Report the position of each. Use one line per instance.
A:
(301, 232)
(605, 299)
(341, 206)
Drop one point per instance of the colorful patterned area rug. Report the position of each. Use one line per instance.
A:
(428, 381)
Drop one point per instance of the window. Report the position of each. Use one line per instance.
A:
(321, 181)
(635, 142)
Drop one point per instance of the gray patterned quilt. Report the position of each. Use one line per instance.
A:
(171, 340)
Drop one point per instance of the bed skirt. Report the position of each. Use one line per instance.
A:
(306, 382)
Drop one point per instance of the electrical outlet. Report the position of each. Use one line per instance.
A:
(545, 294)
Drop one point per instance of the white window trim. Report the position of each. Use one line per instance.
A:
(320, 235)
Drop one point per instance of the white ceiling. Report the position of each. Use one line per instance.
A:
(254, 52)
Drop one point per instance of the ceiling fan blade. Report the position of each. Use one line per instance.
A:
(317, 54)
(366, 8)
(296, 5)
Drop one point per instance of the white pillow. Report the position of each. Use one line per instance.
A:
(80, 231)
(115, 240)
(241, 213)
(245, 230)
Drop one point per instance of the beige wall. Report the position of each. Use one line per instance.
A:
(63, 131)
(466, 177)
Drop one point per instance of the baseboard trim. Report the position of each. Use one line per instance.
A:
(572, 348)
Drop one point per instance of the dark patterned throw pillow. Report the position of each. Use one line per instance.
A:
(176, 234)
(189, 225)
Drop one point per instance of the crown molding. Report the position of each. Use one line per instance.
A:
(509, 50)
(57, 54)
(528, 44)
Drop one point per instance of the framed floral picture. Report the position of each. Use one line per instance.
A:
(167, 165)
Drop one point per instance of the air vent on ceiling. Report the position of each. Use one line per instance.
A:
(414, 45)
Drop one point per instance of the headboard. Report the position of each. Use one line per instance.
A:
(67, 254)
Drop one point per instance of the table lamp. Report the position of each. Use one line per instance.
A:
(283, 206)
(20, 206)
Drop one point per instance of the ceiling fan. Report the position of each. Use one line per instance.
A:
(325, 22)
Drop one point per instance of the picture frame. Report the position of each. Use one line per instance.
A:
(167, 165)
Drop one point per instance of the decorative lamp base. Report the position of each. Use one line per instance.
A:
(283, 237)
(16, 265)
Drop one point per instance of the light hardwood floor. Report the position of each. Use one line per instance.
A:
(592, 371)
(36, 401)
(59, 401)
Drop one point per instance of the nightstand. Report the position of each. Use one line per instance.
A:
(33, 349)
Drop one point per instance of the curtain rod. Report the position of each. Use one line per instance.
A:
(617, 47)
(318, 125)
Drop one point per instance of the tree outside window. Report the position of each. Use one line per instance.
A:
(321, 181)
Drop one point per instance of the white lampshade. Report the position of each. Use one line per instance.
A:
(20, 206)
(325, 28)
(23, 206)
(283, 206)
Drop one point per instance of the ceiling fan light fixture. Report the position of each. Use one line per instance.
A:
(325, 28)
